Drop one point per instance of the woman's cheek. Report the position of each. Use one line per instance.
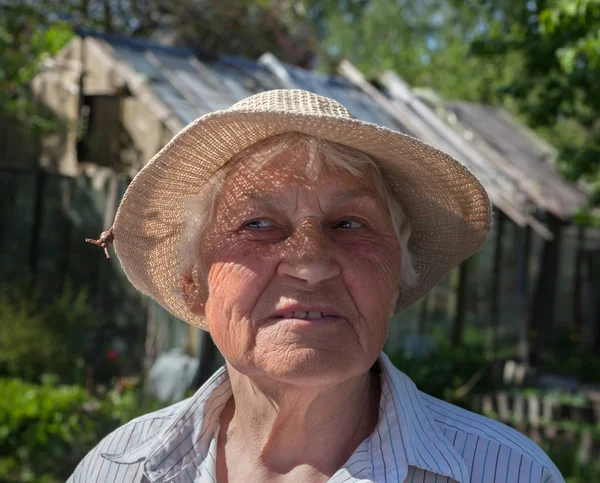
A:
(238, 278)
(371, 279)
(379, 255)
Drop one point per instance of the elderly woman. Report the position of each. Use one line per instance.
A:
(292, 232)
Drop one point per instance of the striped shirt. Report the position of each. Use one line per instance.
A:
(418, 439)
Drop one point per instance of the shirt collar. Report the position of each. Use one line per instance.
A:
(185, 440)
(422, 441)
(405, 427)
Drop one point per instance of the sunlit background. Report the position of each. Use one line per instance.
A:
(90, 90)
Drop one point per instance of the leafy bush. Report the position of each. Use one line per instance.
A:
(567, 459)
(448, 373)
(37, 337)
(564, 357)
(46, 429)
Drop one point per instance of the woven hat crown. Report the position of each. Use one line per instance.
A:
(293, 101)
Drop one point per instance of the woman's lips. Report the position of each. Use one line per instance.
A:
(313, 315)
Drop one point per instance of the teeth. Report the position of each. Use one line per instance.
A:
(304, 315)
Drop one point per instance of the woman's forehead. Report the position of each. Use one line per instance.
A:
(334, 195)
(286, 171)
(280, 179)
(276, 187)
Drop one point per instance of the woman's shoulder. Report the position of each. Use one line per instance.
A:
(467, 431)
(126, 445)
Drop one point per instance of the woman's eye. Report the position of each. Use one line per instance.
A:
(348, 224)
(259, 224)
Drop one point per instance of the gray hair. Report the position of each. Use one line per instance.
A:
(318, 155)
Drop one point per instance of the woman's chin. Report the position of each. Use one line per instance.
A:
(311, 367)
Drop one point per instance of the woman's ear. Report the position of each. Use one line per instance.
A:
(193, 295)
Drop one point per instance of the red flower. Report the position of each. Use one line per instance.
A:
(112, 355)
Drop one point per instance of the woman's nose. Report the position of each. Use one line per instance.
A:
(308, 256)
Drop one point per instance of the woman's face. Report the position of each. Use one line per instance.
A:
(302, 274)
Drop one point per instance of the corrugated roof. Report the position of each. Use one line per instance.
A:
(190, 85)
(520, 155)
(338, 88)
(187, 84)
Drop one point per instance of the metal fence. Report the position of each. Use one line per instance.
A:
(44, 219)
(502, 319)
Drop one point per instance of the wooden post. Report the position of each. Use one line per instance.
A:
(461, 302)
(38, 208)
(150, 343)
(522, 247)
(112, 200)
(496, 281)
(544, 302)
(110, 210)
(81, 98)
(593, 305)
(107, 16)
(67, 235)
(422, 321)
(578, 280)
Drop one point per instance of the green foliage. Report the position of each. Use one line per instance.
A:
(563, 357)
(39, 337)
(566, 458)
(244, 27)
(26, 39)
(46, 429)
(447, 369)
(425, 42)
(557, 91)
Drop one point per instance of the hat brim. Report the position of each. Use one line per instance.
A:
(448, 209)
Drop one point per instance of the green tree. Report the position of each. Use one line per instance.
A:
(558, 90)
(424, 41)
(27, 37)
(242, 27)
(245, 27)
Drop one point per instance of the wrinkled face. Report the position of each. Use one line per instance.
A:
(302, 274)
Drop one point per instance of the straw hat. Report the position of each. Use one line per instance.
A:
(448, 208)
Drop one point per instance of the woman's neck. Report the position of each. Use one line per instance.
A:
(281, 427)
